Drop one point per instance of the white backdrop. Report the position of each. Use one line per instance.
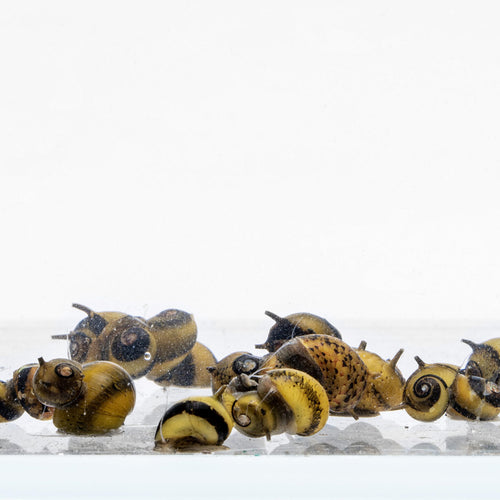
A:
(229, 157)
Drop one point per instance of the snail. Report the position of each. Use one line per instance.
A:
(427, 391)
(10, 407)
(467, 403)
(86, 332)
(22, 383)
(127, 342)
(435, 389)
(483, 370)
(192, 371)
(194, 421)
(384, 390)
(90, 399)
(281, 400)
(295, 325)
(174, 332)
(231, 366)
(330, 361)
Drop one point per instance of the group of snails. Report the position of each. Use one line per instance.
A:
(308, 373)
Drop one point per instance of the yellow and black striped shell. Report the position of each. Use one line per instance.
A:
(329, 360)
(427, 392)
(194, 421)
(86, 332)
(466, 403)
(106, 398)
(384, 389)
(10, 408)
(192, 371)
(175, 333)
(295, 325)
(22, 381)
(283, 400)
(231, 366)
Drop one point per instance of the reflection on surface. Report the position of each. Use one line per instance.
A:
(359, 438)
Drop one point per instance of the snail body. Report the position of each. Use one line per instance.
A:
(10, 407)
(231, 366)
(90, 399)
(195, 421)
(329, 360)
(281, 400)
(295, 325)
(384, 389)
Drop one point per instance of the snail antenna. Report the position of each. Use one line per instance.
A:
(473, 345)
(394, 361)
(419, 361)
(272, 315)
(362, 345)
(85, 309)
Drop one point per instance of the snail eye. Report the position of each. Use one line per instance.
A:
(472, 369)
(64, 370)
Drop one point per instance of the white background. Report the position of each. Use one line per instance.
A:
(226, 157)
(230, 157)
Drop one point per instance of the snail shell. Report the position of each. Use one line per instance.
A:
(284, 400)
(128, 343)
(483, 370)
(295, 325)
(175, 333)
(99, 395)
(195, 421)
(192, 371)
(22, 382)
(428, 390)
(329, 360)
(231, 366)
(384, 389)
(10, 408)
(86, 332)
(466, 403)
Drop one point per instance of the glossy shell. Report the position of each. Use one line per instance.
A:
(427, 391)
(107, 399)
(329, 360)
(195, 421)
(295, 325)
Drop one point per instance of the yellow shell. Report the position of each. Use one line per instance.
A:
(329, 360)
(295, 325)
(284, 400)
(198, 421)
(192, 371)
(108, 397)
(467, 404)
(427, 391)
